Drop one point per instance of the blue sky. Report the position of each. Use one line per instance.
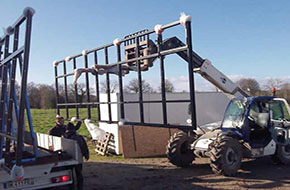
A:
(246, 38)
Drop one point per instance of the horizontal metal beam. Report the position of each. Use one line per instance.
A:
(8, 136)
(183, 127)
(166, 26)
(19, 21)
(61, 76)
(162, 53)
(11, 56)
(128, 123)
(125, 102)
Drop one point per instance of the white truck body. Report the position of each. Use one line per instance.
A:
(38, 176)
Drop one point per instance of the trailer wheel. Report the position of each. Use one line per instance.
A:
(225, 155)
(178, 151)
(282, 154)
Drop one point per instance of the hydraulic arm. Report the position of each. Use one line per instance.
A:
(207, 70)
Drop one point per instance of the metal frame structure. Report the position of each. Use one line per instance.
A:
(12, 109)
(136, 40)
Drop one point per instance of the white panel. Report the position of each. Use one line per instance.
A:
(114, 129)
(104, 107)
(210, 108)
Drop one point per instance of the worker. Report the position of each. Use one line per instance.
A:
(59, 129)
(110, 69)
(71, 133)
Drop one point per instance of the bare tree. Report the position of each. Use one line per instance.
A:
(47, 96)
(113, 86)
(33, 95)
(285, 91)
(133, 87)
(80, 91)
(41, 95)
(273, 83)
(169, 87)
(250, 85)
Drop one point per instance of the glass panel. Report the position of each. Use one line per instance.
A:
(254, 111)
(277, 111)
(285, 111)
(234, 114)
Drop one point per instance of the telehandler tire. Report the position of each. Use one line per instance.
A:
(282, 154)
(178, 151)
(225, 155)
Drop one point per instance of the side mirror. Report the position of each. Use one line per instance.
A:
(263, 119)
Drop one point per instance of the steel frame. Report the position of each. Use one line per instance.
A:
(183, 50)
(10, 106)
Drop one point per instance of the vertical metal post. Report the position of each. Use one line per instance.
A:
(76, 90)
(32, 134)
(56, 89)
(162, 74)
(65, 90)
(3, 91)
(97, 86)
(0, 52)
(120, 84)
(141, 108)
(23, 89)
(108, 85)
(28, 113)
(11, 91)
(87, 86)
(190, 73)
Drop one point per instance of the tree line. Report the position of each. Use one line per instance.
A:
(43, 96)
(253, 87)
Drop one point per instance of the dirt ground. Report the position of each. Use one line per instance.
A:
(158, 173)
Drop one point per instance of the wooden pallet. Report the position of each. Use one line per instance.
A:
(107, 146)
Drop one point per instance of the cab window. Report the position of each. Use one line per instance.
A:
(285, 111)
(258, 107)
(276, 110)
(254, 111)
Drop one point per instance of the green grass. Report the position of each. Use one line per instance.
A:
(44, 119)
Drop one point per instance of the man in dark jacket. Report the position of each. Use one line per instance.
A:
(59, 129)
(71, 133)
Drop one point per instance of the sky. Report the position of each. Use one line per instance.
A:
(242, 38)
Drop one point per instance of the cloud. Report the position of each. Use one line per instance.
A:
(236, 77)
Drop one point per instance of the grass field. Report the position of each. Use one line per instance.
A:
(44, 119)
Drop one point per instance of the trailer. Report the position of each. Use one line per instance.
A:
(28, 160)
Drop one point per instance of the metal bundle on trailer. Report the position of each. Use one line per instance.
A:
(12, 109)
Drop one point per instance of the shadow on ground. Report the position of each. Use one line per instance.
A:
(157, 173)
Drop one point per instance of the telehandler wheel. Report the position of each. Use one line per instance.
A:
(225, 155)
(282, 154)
(178, 151)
